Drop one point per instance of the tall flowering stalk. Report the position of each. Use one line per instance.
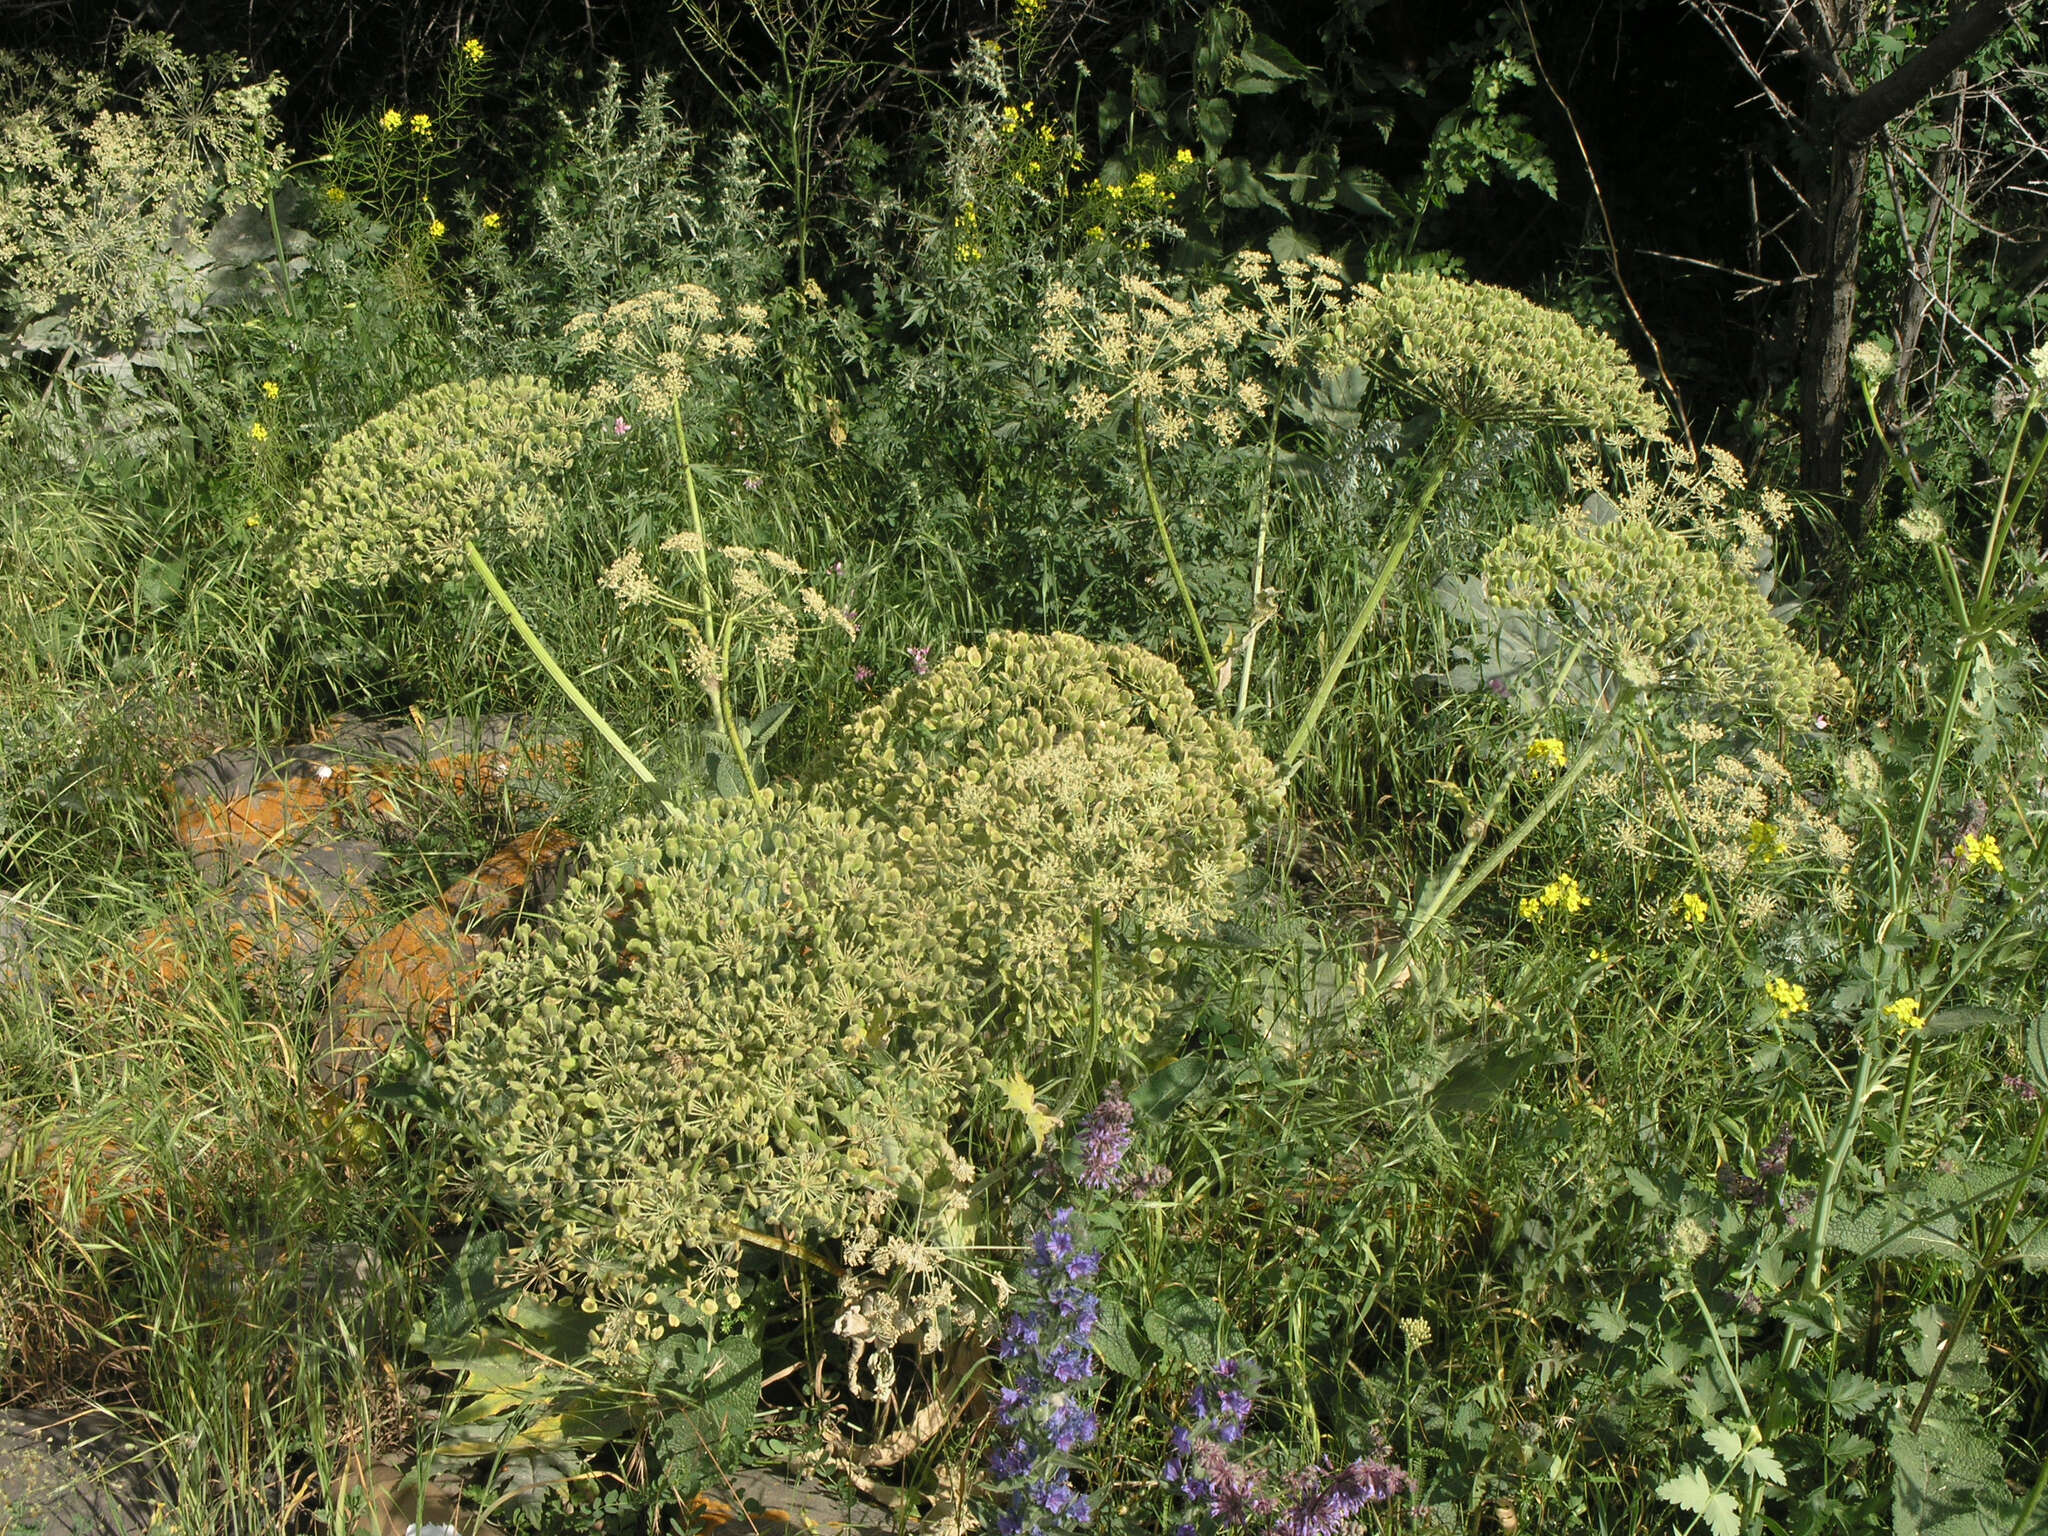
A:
(1048, 1407)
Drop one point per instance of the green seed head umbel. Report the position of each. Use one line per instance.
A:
(1038, 782)
(1661, 613)
(737, 1016)
(406, 490)
(771, 1015)
(1487, 355)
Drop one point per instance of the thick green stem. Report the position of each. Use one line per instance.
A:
(1395, 554)
(1166, 541)
(284, 272)
(696, 513)
(726, 717)
(1824, 1199)
(554, 670)
(1985, 1260)
(1251, 634)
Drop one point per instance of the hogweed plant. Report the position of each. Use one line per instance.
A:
(409, 493)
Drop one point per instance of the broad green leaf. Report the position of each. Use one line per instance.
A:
(1605, 1321)
(1112, 1339)
(1850, 1394)
(1168, 1088)
(1760, 1461)
(1691, 1491)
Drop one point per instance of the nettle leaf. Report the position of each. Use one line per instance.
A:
(1691, 1491)
(1112, 1339)
(1949, 1480)
(2037, 1049)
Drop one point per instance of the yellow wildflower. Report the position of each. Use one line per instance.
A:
(1691, 909)
(391, 120)
(1562, 893)
(1907, 1011)
(437, 229)
(270, 389)
(1973, 850)
(1185, 157)
(473, 50)
(1788, 995)
(1765, 844)
(423, 125)
(258, 431)
(492, 221)
(1546, 752)
(336, 195)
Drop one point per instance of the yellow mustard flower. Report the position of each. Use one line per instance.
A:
(473, 50)
(493, 221)
(270, 389)
(1788, 995)
(1184, 157)
(336, 195)
(1691, 909)
(422, 125)
(1907, 1011)
(258, 431)
(252, 521)
(437, 229)
(1546, 752)
(1973, 850)
(391, 120)
(1561, 895)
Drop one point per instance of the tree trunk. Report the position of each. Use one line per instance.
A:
(1831, 321)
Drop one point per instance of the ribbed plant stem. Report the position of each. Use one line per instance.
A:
(1166, 541)
(546, 658)
(1396, 553)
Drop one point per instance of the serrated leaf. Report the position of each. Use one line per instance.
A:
(2037, 1049)
(1760, 1461)
(1850, 1394)
(1606, 1322)
(1215, 121)
(1725, 1442)
(1952, 1021)
(1691, 1491)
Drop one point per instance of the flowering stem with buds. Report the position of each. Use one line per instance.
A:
(546, 658)
(1290, 759)
(1166, 540)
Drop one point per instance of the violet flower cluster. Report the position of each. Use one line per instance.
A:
(1047, 1408)
(1221, 1490)
(1104, 1142)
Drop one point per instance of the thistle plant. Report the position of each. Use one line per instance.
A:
(749, 605)
(736, 1025)
(1082, 818)
(411, 492)
(102, 186)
